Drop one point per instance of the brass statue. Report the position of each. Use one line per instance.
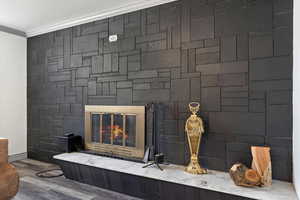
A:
(194, 129)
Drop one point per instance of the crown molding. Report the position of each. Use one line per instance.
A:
(13, 31)
(137, 5)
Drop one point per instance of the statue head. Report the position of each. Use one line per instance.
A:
(194, 107)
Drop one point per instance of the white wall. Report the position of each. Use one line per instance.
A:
(296, 98)
(13, 100)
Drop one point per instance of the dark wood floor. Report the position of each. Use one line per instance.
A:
(35, 188)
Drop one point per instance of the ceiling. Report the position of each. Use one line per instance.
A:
(35, 17)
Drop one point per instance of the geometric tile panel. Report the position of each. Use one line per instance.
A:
(234, 57)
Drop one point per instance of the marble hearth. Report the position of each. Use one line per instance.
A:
(215, 181)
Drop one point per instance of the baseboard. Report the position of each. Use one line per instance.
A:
(16, 157)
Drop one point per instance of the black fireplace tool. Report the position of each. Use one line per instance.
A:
(158, 159)
(153, 156)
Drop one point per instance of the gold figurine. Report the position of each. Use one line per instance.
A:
(194, 129)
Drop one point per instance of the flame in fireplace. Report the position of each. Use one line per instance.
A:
(116, 130)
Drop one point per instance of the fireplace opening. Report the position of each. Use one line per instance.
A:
(115, 130)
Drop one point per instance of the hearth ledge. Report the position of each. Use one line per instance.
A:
(215, 180)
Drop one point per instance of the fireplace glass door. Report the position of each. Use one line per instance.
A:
(115, 130)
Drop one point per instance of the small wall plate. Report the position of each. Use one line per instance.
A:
(113, 38)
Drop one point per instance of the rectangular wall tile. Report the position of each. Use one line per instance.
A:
(85, 43)
(155, 60)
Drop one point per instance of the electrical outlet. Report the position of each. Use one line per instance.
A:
(113, 38)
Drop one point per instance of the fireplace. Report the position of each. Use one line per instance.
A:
(117, 131)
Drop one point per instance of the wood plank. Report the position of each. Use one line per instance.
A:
(262, 163)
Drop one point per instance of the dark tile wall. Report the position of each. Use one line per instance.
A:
(233, 56)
